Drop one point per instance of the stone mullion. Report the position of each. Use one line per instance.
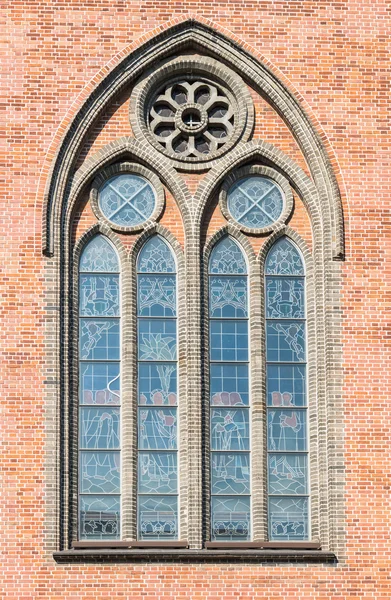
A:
(194, 392)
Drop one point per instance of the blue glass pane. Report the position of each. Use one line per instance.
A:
(285, 341)
(230, 429)
(99, 428)
(227, 259)
(99, 339)
(99, 256)
(99, 517)
(156, 257)
(157, 473)
(228, 341)
(157, 429)
(99, 472)
(288, 519)
(230, 473)
(157, 339)
(157, 384)
(286, 385)
(156, 296)
(288, 474)
(255, 201)
(229, 385)
(284, 259)
(230, 518)
(127, 199)
(284, 298)
(99, 295)
(228, 297)
(99, 383)
(158, 517)
(287, 430)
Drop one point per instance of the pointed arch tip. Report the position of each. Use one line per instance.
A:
(190, 31)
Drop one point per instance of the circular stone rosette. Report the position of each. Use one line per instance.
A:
(257, 199)
(127, 196)
(192, 110)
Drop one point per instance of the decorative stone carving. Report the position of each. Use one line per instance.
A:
(193, 110)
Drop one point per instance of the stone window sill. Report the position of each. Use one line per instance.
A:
(180, 552)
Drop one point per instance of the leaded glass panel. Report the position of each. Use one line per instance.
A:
(158, 517)
(288, 518)
(127, 199)
(229, 393)
(99, 387)
(228, 297)
(157, 390)
(287, 437)
(255, 202)
(231, 518)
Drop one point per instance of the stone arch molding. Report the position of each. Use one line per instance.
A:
(192, 35)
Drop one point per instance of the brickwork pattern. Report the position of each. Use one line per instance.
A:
(334, 56)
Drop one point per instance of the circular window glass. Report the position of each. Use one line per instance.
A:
(127, 199)
(255, 202)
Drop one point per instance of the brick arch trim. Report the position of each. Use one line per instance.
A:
(177, 37)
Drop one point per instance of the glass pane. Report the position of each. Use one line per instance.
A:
(286, 385)
(127, 199)
(158, 517)
(156, 257)
(229, 385)
(99, 517)
(227, 258)
(99, 428)
(284, 259)
(157, 429)
(284, 298)
(156, 295)
(228, 341)
(157, 473)
(230, 518)
(287, 430)
(99, 383)
(288, 474)
(255, 201)
(157, 339)
(99, 472)
(228, 297)
(157, 384)
(99, 256)
(99, 295)
(230, 429)
(288, 519)
(99, 339)
(230, 473)
(285, 341)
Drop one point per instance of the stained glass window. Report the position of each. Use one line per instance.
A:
(157, 503)
(99, 391)
(255, 201)
(287, 437)
(229, 393)
(127, 199)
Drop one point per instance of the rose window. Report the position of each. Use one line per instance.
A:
(192, 119)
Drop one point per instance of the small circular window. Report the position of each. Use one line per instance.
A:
(255, 202)
(257, 198)
(127, 200)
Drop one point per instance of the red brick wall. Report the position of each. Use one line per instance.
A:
(336, 56)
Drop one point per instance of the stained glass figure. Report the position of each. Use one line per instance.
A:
(287, 443)
(157, 392)
(255, 201)
(127, 199)
(99, 387)
(229, 393)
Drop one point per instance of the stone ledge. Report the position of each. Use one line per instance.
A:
(180, 555)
